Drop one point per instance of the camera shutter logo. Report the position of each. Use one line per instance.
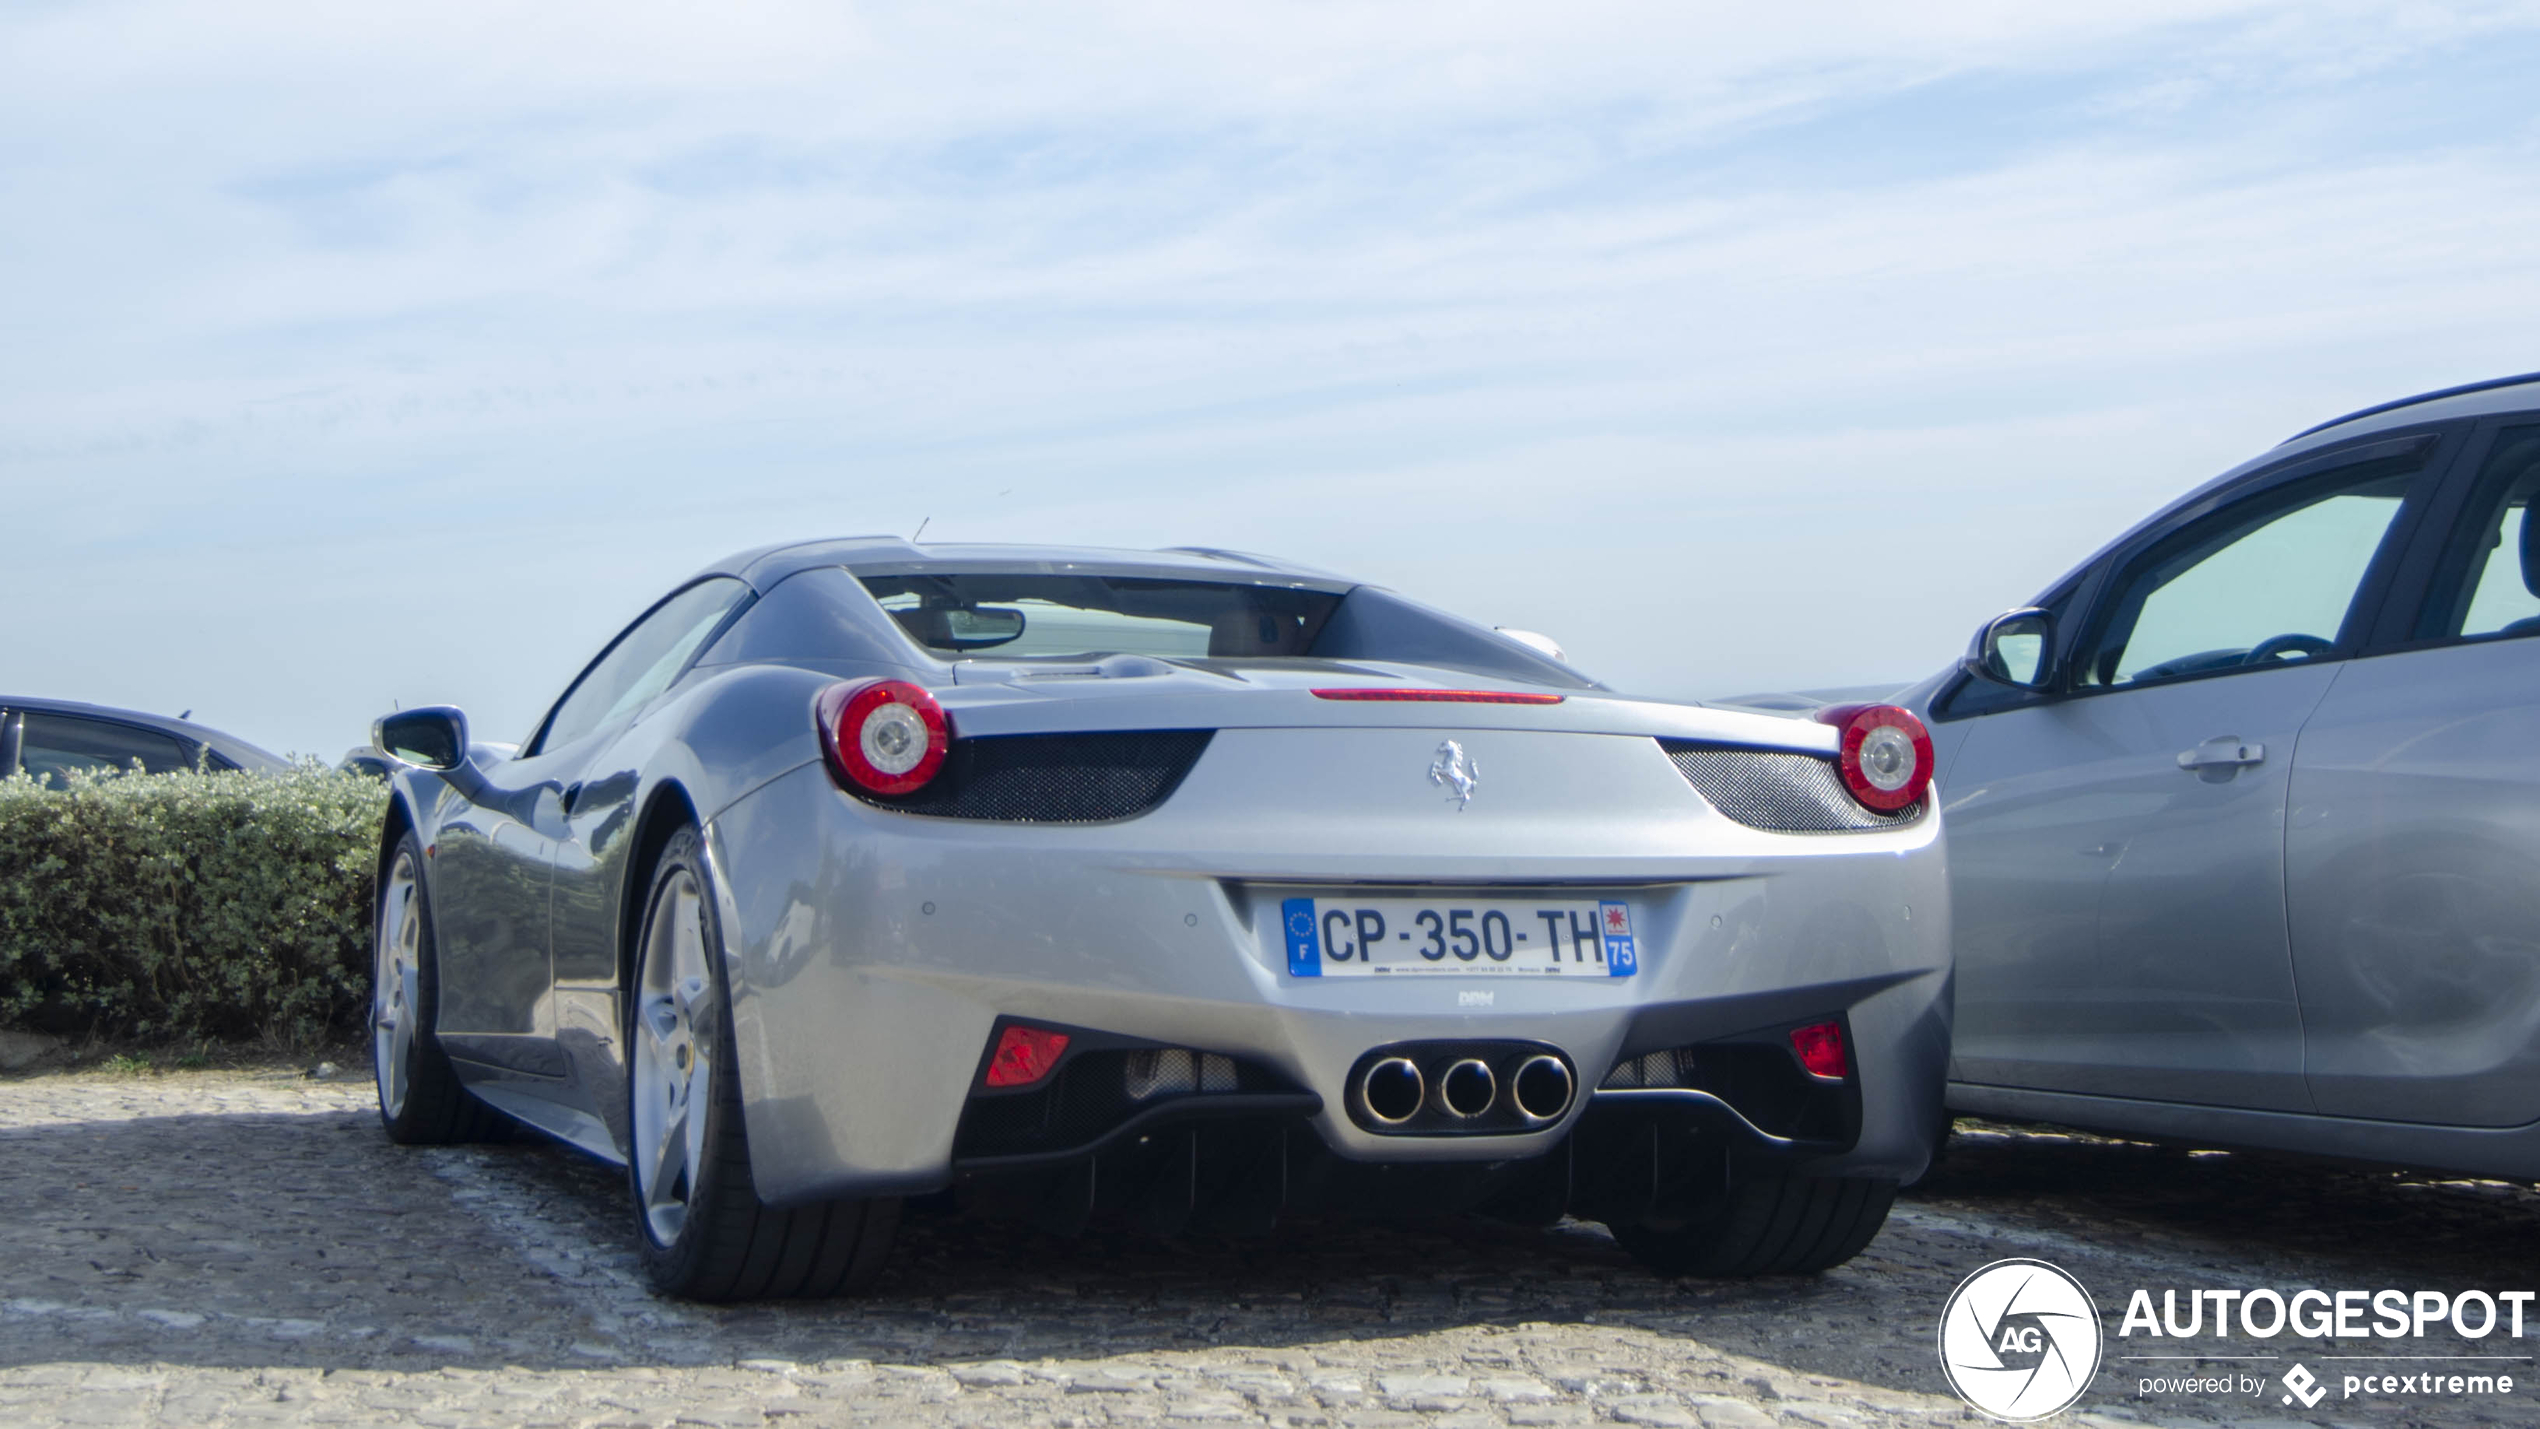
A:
(2019, 1340)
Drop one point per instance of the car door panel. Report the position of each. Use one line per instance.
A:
(2117, 843)
(592, 860)
(584, 754)
(2413, 888)
(2124, 916)
(489, 884)
(2412, 845)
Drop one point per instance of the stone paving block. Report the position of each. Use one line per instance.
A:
(1731, 1414)
(993, 1375)
(1657, 1411)
(1403, 1386)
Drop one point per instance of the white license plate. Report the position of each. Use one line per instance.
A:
(1497, 937)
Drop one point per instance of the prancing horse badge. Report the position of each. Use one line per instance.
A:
(1455, 771)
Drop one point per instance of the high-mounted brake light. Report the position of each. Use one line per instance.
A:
(1443, 697)
(1886, 758)
(1024, 1055)
(1820, 1049)
(883, 736)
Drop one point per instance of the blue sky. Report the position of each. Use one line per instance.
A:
(352, 356)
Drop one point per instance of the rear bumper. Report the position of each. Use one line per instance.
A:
(871, 955)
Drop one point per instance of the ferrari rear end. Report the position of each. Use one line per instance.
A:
(1210, 941)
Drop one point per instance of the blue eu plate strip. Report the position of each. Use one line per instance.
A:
(1305, 948)
(1621, 960)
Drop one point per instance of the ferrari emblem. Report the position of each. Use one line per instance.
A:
(1454, 771)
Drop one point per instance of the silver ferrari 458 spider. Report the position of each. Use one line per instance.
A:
(1185, 885)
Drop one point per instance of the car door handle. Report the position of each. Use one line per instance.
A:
(571, 796)
(2222, 753)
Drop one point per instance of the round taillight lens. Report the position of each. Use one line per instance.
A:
(883, 736)
(1886, 755)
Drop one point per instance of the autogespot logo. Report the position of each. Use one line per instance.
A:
(2019, 1340)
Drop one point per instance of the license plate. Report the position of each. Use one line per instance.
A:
(1498, 937)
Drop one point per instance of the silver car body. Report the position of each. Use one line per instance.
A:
(2290, 903)
(873, 951)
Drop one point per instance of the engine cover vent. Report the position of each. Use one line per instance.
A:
(1777, 789)
(1055, 778)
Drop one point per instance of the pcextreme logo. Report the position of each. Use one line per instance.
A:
(2019, 1340)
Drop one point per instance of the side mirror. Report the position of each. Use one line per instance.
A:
(2012, 649)
(1541, 644)
(434, 736)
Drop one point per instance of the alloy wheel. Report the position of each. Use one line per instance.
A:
(673, 1055)
(396, 948)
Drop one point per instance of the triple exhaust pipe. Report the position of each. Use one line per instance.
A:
(1458, 1090)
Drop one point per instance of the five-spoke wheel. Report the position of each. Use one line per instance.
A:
(704, 1232)
(420, 1099)
(395, 961)
(674, 1056)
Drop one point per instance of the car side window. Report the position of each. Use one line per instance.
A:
(53, 745)
(2489, 582)
(2266, 581)
(642, 662)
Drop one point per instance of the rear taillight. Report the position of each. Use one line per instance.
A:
(1886, 758)
(1024, 1055)
(1820, 1049)
(883, 736)
(1385, 695)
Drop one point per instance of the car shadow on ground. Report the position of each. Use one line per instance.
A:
(257, 1239)
(2319, 1222)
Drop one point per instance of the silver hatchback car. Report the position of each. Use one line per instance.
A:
(2244, 828)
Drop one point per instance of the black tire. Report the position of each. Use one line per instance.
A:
(1765, 1225)
(431, 1106)
(728, 1244)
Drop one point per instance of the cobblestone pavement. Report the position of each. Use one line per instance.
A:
(245, 1248)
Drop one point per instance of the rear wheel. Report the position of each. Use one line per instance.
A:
(421, 1102)
(705, 1233)
(1763, 1225)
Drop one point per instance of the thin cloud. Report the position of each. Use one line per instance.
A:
(408, 354)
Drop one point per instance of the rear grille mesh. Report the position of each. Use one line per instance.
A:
(1778, 790)
(1056, 778)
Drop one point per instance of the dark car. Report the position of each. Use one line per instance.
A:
(47, 739)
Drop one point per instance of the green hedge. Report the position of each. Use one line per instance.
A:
(176, 907)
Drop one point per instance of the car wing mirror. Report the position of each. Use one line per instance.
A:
(434, 736)
(2014, 648)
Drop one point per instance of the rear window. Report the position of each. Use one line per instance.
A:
(1020, 616)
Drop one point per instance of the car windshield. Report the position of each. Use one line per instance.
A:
(1027, 615)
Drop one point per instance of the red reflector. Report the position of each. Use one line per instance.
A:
(1440, 697)
(1820, 1049)
(1024, 1055)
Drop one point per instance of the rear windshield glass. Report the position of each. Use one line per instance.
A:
(1045, 615)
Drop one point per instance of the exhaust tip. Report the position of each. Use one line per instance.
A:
(1542, 1089)
(1392, 1090)
(1468, 1088)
